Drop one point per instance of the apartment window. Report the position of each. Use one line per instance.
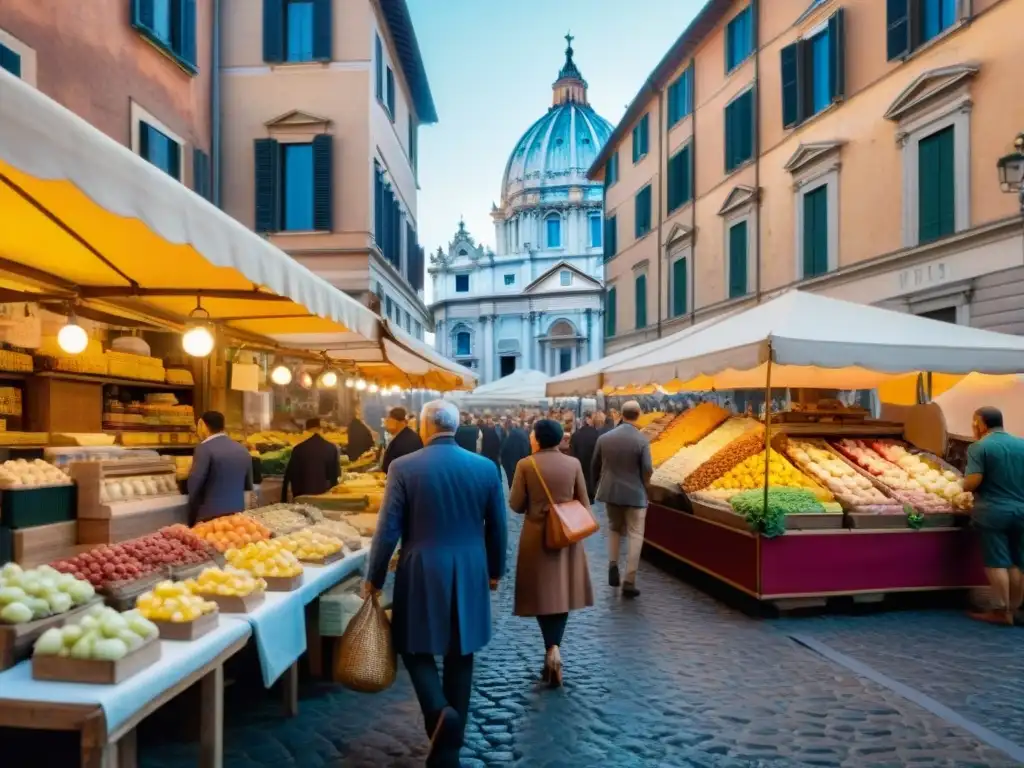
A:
(611, 237)
(936, 185)
(641, 139)
(171, 26)
(294, 185)
(510, 279)
(680, 189)
(462, 283)
(565, 278)
(643, 212)
(640, 291)
(160, 149)
(417, 329)
(912, 23)
(10, 60)
(738, 255)
(378, 61)
(814, 72)
(611, 170)
(299, 30)
(680, 287)
(594, 220)
(739, 130)
(553, 228)
(390, 83)
(610, 309)
(462, 343)
(680, 97)
(389, 306)
(816, 234)
(739, 39)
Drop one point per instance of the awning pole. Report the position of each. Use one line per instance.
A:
(767, 424)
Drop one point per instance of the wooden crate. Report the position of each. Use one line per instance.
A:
(189, 630)
(281, 584)
(139, 519)
(16, 640)
(339, 555)
(45, 543)
(236, 604)
(94, 672)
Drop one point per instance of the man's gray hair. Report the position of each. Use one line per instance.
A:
(442, 414)
(631, 410)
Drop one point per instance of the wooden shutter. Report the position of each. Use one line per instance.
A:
(897, 40)
(946, 182)
(323, 183)
(679, 287)
(391, 93)
(144, 140)
(142, 14)
(816, 232)
(641, 301)
(609, 313)
(174, 159)
(936, 185)
(201, 173)
(10, 60)
(187, 21)
(738, 260)
(323, 30)
(790, 62)
(609, 238)
(837, 55)
(273, 31)
(747, 112)
(379, 67)
(730, 136)
(268, 185)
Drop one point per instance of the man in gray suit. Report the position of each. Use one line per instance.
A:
(621, 468)
(221, 472)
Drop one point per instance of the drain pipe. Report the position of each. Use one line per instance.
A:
(215, 107)
(757, 147)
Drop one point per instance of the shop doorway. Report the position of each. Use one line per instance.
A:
(508, 365)
(564, 360)
(945, 315)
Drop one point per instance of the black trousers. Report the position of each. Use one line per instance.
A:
(552, 627)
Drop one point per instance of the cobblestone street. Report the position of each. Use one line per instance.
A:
(673, 679)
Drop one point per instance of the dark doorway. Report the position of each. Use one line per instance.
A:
(945, 315)
(564, 360)
(508, 365)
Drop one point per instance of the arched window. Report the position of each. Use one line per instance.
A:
(553, 227)
(462, 343)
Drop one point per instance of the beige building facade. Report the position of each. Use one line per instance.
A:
(846, 147)
(322, 104)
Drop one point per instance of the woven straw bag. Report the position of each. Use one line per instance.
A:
(365, 658)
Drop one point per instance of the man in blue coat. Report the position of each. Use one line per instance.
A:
(447, 507)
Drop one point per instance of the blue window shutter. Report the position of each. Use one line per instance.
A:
(268, 185)
(323, 183)
(391, 93)
(323, 30)
(174, 159)
(679, 287)
(187, 20)
(201, 173)
(10, 60)
(273, 31)
(790, 59)
(837, 55)
(379, 64)
(897, 28)
(144, 140)
(609, 313)
(641, 302)
(142, 14)
(730, 136)
(738, 260)
(816, 232)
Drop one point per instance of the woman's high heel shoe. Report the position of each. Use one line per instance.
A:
(545, 674)
(555, 668)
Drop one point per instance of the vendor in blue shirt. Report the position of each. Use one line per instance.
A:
(995, 475)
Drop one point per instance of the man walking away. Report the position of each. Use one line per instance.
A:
(221, 472)
(468, 435)
(448, 508)
(995, 475)
(360, 438)
(403, 439)
(582, 445)
(314, 466)
(622, 467)
(490, 441)
(515, 447)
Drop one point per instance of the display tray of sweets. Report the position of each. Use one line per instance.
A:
(689, 428)
(177, 612)
(280, 519)
(341, 529)
(234, 591)
(671, 474)
(189, 630)
(852, 489)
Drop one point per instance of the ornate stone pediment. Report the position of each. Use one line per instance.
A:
(928, 87)
(297, 119)
(809, 154)
(678, 233)
(740, 197)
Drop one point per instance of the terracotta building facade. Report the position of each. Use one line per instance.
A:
(846, 147)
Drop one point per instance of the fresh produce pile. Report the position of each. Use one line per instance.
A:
(283, 519)
(28, 595)
(849, 486)
(340, 529)
(225, 583)
(749, 474)
(673, 472)
(20, 473)
(781, 502)
(173, 601)
(231, 531)
(265, 559)
(310, 546)
(927, 472)
(275, 462)
(903, 487)
(743, 447)
(102, 634)
(692, 427)
(137, 487)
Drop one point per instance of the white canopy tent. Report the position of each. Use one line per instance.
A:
(978, 390)
(815, 341)
(521, 388)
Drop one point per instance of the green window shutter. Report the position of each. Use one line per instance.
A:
(679, 287)
(897, 39)
(936, 184)
(10, 60)
(610, 237)
(790, 61)
(323, 183)
(390, 84)
(144, 140)
(641, 302)
(816, 232)
(673, 102)
(636, 143)
(837, 55)
(738, 260)
(174, 159)
(679, 188)
(187, 21)
(142, 14)
(273, 31)
(609, 313)
(730, 140)
(323, 30)
(379, 63)
(673, 192)
(747, 126)
(642, 223)
(201, 173)
(268, 185)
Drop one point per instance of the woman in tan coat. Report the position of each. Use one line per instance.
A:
(549, 583)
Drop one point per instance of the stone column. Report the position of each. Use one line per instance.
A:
(598, 337)
(525, 340)
(589, 340)
(439, 344)
(486, 349)
(538, 361)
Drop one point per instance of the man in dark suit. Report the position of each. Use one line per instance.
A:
(360, 438)
(221, 472)
(582, 445)
(490, 440)
(622, 466)
(468, 435)
(448, 508)
(314, 466)
(403, 440)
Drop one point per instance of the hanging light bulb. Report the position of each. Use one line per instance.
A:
(328, 379)
(350, 383)
(72, 338)
(373, 388)
(197, 340)
(360, 384)
(281, 375)
(306, 380)
(396, 390)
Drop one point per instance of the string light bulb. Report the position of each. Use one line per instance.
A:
(328, 379)
(281, 375)
(197, 341)
(360, 385)
(72, 338)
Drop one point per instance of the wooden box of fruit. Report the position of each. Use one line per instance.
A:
(232, 591)
(283, 583)
(177, 611)
(270, 561)
(188, 630)
(238, 603)
(96, 671)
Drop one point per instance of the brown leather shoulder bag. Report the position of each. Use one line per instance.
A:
(566, 523)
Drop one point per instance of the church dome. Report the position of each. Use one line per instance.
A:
(559, 148)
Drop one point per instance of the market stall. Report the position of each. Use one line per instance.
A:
(820, 501)
(520, 389)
